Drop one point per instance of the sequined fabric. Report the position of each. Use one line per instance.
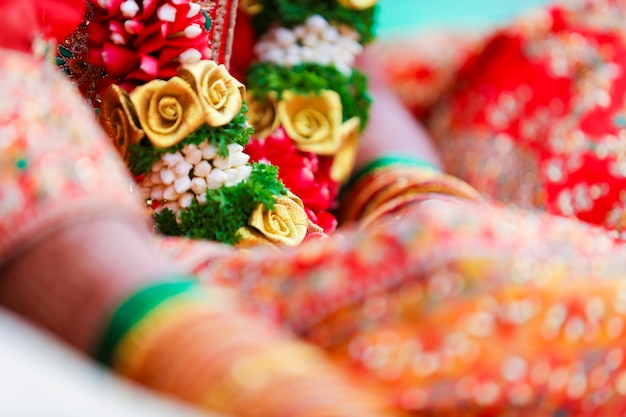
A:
(53, 156)
(537, 118)
(457, 309)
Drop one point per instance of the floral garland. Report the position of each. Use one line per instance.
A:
(179, 121)
(307, 102)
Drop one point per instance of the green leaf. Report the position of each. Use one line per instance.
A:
(143, 155)
(227, 208)
(265, 78)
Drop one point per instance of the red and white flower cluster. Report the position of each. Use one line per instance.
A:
(136, 41)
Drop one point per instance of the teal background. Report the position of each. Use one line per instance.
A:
(400, 16)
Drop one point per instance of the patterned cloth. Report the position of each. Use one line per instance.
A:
(53, 170)
(535, 116)
(451, 309)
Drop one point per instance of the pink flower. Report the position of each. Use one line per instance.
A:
(306, 174)
(136, 41)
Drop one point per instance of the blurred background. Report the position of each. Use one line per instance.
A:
(396, 17)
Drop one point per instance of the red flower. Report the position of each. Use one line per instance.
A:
(136, 41)
(306, 174)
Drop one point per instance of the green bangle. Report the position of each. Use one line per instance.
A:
(136, 307)
(385, 162)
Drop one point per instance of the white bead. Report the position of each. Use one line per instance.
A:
(201, 198)
(345, 58)
(171, 159)
(291, 60)
(234, 148)
(293, 50)
(284, 37)
(307, 54)
(155, 178)
(185, 200)
(198, 185)
(182, 168)
(322, 57)
(350, 46)
(187, 149)
(231, 176)
(208, 152)
(202, 169)
(194, 157)
(216, 178)
(167, 176)
(330, 34)
(156, 167)
(299, 31)
(239, 158)
(262, 47)
(221, 163)
(172, 205)
(243, 172)
(273, 55)
(311, 40)
(316, 23)
(170, 193)
(182, 184)
(157, 192)
(344, 68)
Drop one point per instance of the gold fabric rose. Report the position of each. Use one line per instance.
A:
(168, 111)
(312, 121)
(287, 224)
(343, 163)
(358, 4)
(118, 119)
(220, 93)
(262, 115)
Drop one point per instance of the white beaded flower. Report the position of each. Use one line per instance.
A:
(180, 177)
(316, 41)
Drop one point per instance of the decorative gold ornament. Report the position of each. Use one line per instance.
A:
(251, 238)
(262, 115)
(251, 7)
(118, 119)
(312, 121)
(357, 4)
(343, 162)
(168, 111)
(220, 93)
(287, 224)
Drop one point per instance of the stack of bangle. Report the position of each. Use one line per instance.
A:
(388, 185)
(182, 339)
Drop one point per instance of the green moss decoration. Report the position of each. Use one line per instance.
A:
(264, 78)
(143, 155)
(227, 208)
(290, 13)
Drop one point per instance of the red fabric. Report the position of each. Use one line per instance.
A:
(22, 20)
(59, 17)
(536, 115)
(515, 58)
